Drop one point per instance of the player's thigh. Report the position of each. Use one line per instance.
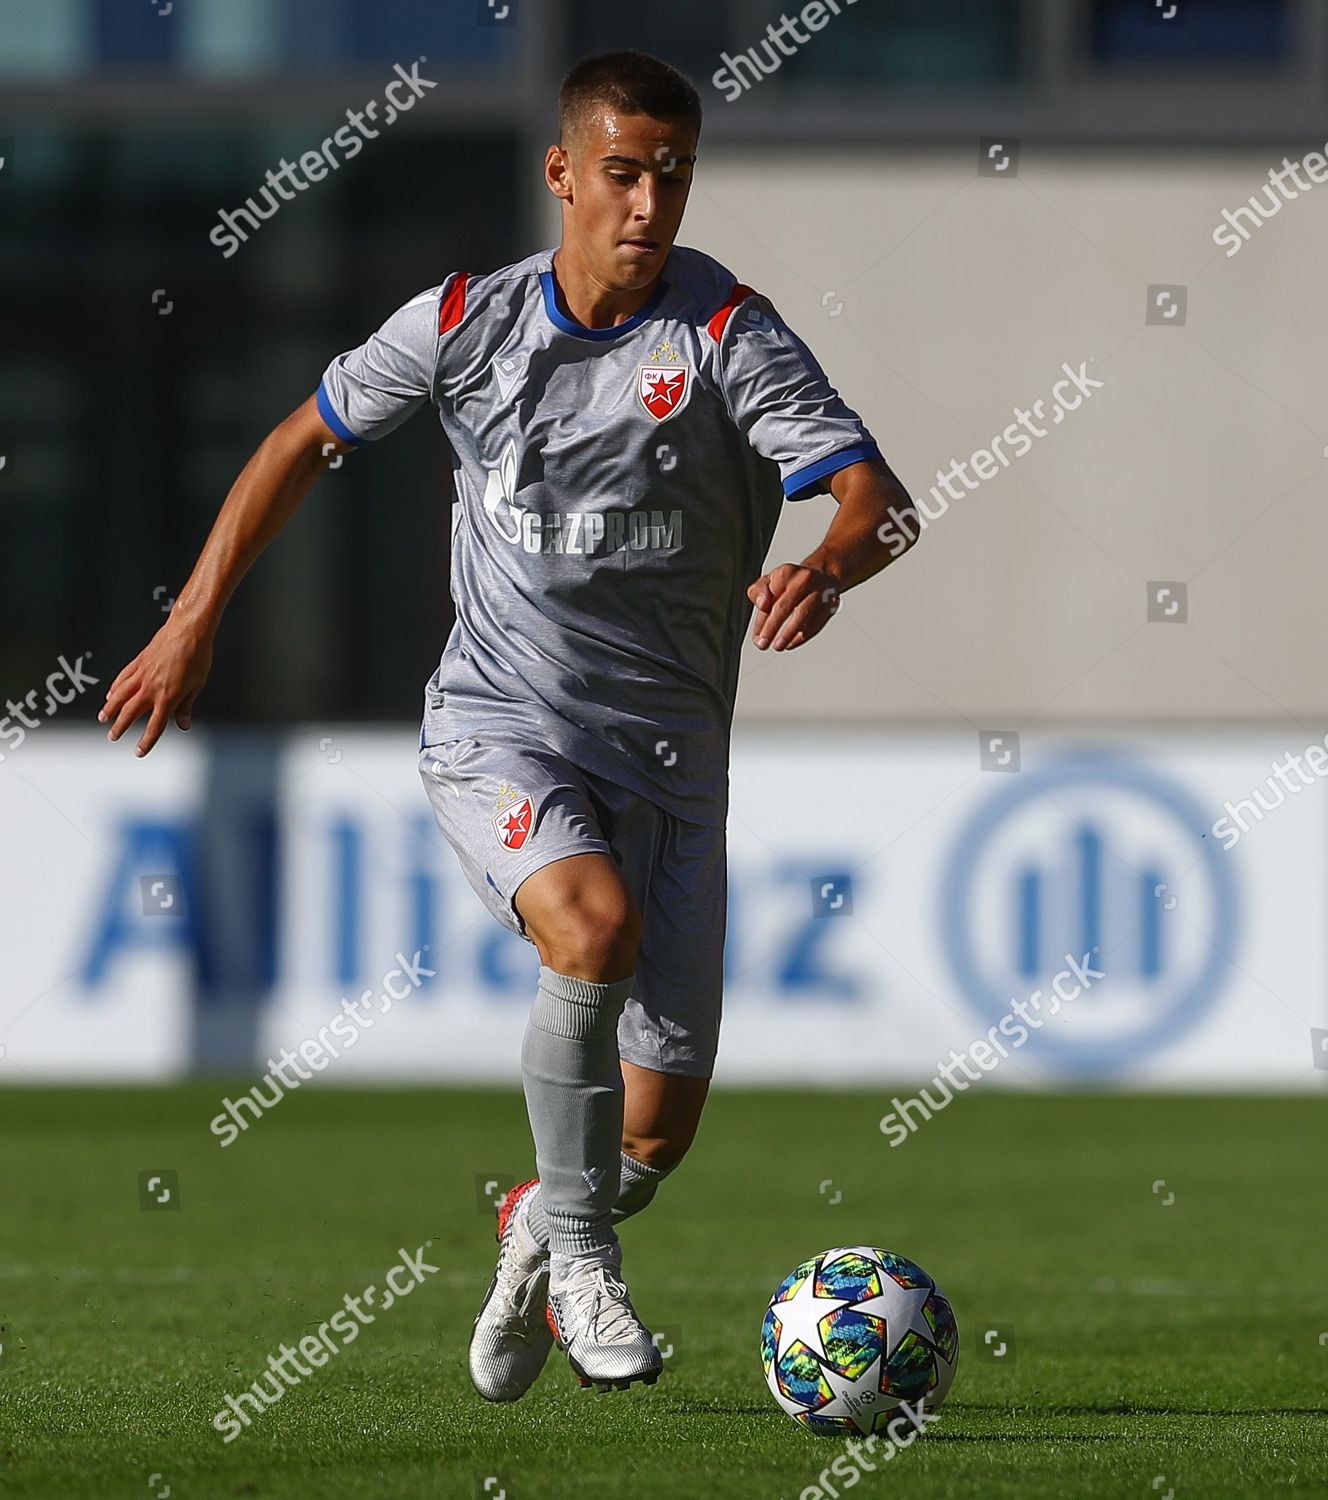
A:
(509, 811)
(582, 917)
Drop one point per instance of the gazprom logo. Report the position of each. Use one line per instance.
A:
(585, 533)
(1098, 854)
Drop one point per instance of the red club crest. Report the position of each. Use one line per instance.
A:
(663, 389)
(513, 824)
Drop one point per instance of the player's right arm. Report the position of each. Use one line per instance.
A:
(167, 675)
(364, 394)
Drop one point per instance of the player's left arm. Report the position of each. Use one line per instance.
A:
(874, 524)
(789, 413)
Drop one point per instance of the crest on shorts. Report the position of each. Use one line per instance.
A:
(664, 384)
(514, 819)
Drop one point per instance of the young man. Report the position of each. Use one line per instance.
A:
(626, 420)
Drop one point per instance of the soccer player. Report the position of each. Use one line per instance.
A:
(625, 420)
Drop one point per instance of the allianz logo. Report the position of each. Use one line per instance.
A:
(584, 532)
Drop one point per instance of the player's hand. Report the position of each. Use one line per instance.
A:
(161, 681)
(793, 603)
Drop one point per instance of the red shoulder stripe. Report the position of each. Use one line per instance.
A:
(720, 321)
(453, 306)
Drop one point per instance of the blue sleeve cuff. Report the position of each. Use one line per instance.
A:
(807, 481)
(325, 410)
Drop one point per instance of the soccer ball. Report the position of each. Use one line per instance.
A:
(853, 1332)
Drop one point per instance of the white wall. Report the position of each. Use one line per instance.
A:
(1201, 460)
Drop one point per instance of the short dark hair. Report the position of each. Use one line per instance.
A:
(629, 83)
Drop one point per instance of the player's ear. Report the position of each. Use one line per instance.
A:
(558, 172)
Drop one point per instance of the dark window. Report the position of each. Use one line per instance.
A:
(302, 36)
(923, 42)
(124, 424)
(688, 34)
(1129, 32)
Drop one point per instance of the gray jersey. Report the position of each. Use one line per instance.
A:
(617, 490)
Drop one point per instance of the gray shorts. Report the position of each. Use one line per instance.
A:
(509, 809)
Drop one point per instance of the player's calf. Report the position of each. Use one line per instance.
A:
(573, 1088)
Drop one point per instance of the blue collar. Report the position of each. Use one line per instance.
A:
(579, 330)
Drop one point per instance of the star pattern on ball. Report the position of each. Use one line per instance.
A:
(800, 1317)
(859, 1400)
(869, 1253)
(901, 1310)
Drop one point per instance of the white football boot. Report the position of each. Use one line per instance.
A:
(596, 1326)
(512, 1339)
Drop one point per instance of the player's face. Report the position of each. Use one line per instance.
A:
(628, 181)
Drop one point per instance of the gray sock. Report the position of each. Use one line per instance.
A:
(639, 1183)
(574, 1097)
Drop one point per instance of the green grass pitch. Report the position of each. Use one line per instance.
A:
(1154, 1347)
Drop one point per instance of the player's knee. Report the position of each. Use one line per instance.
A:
(594, 937)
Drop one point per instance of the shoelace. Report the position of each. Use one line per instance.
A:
(523, 1298)
(599, 1298)
(520, 1292)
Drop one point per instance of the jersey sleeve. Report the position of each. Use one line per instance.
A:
(367, 392)
(782, 401)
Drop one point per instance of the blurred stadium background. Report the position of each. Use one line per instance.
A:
(1009, 748)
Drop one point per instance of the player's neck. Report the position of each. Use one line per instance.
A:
(585, 300)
